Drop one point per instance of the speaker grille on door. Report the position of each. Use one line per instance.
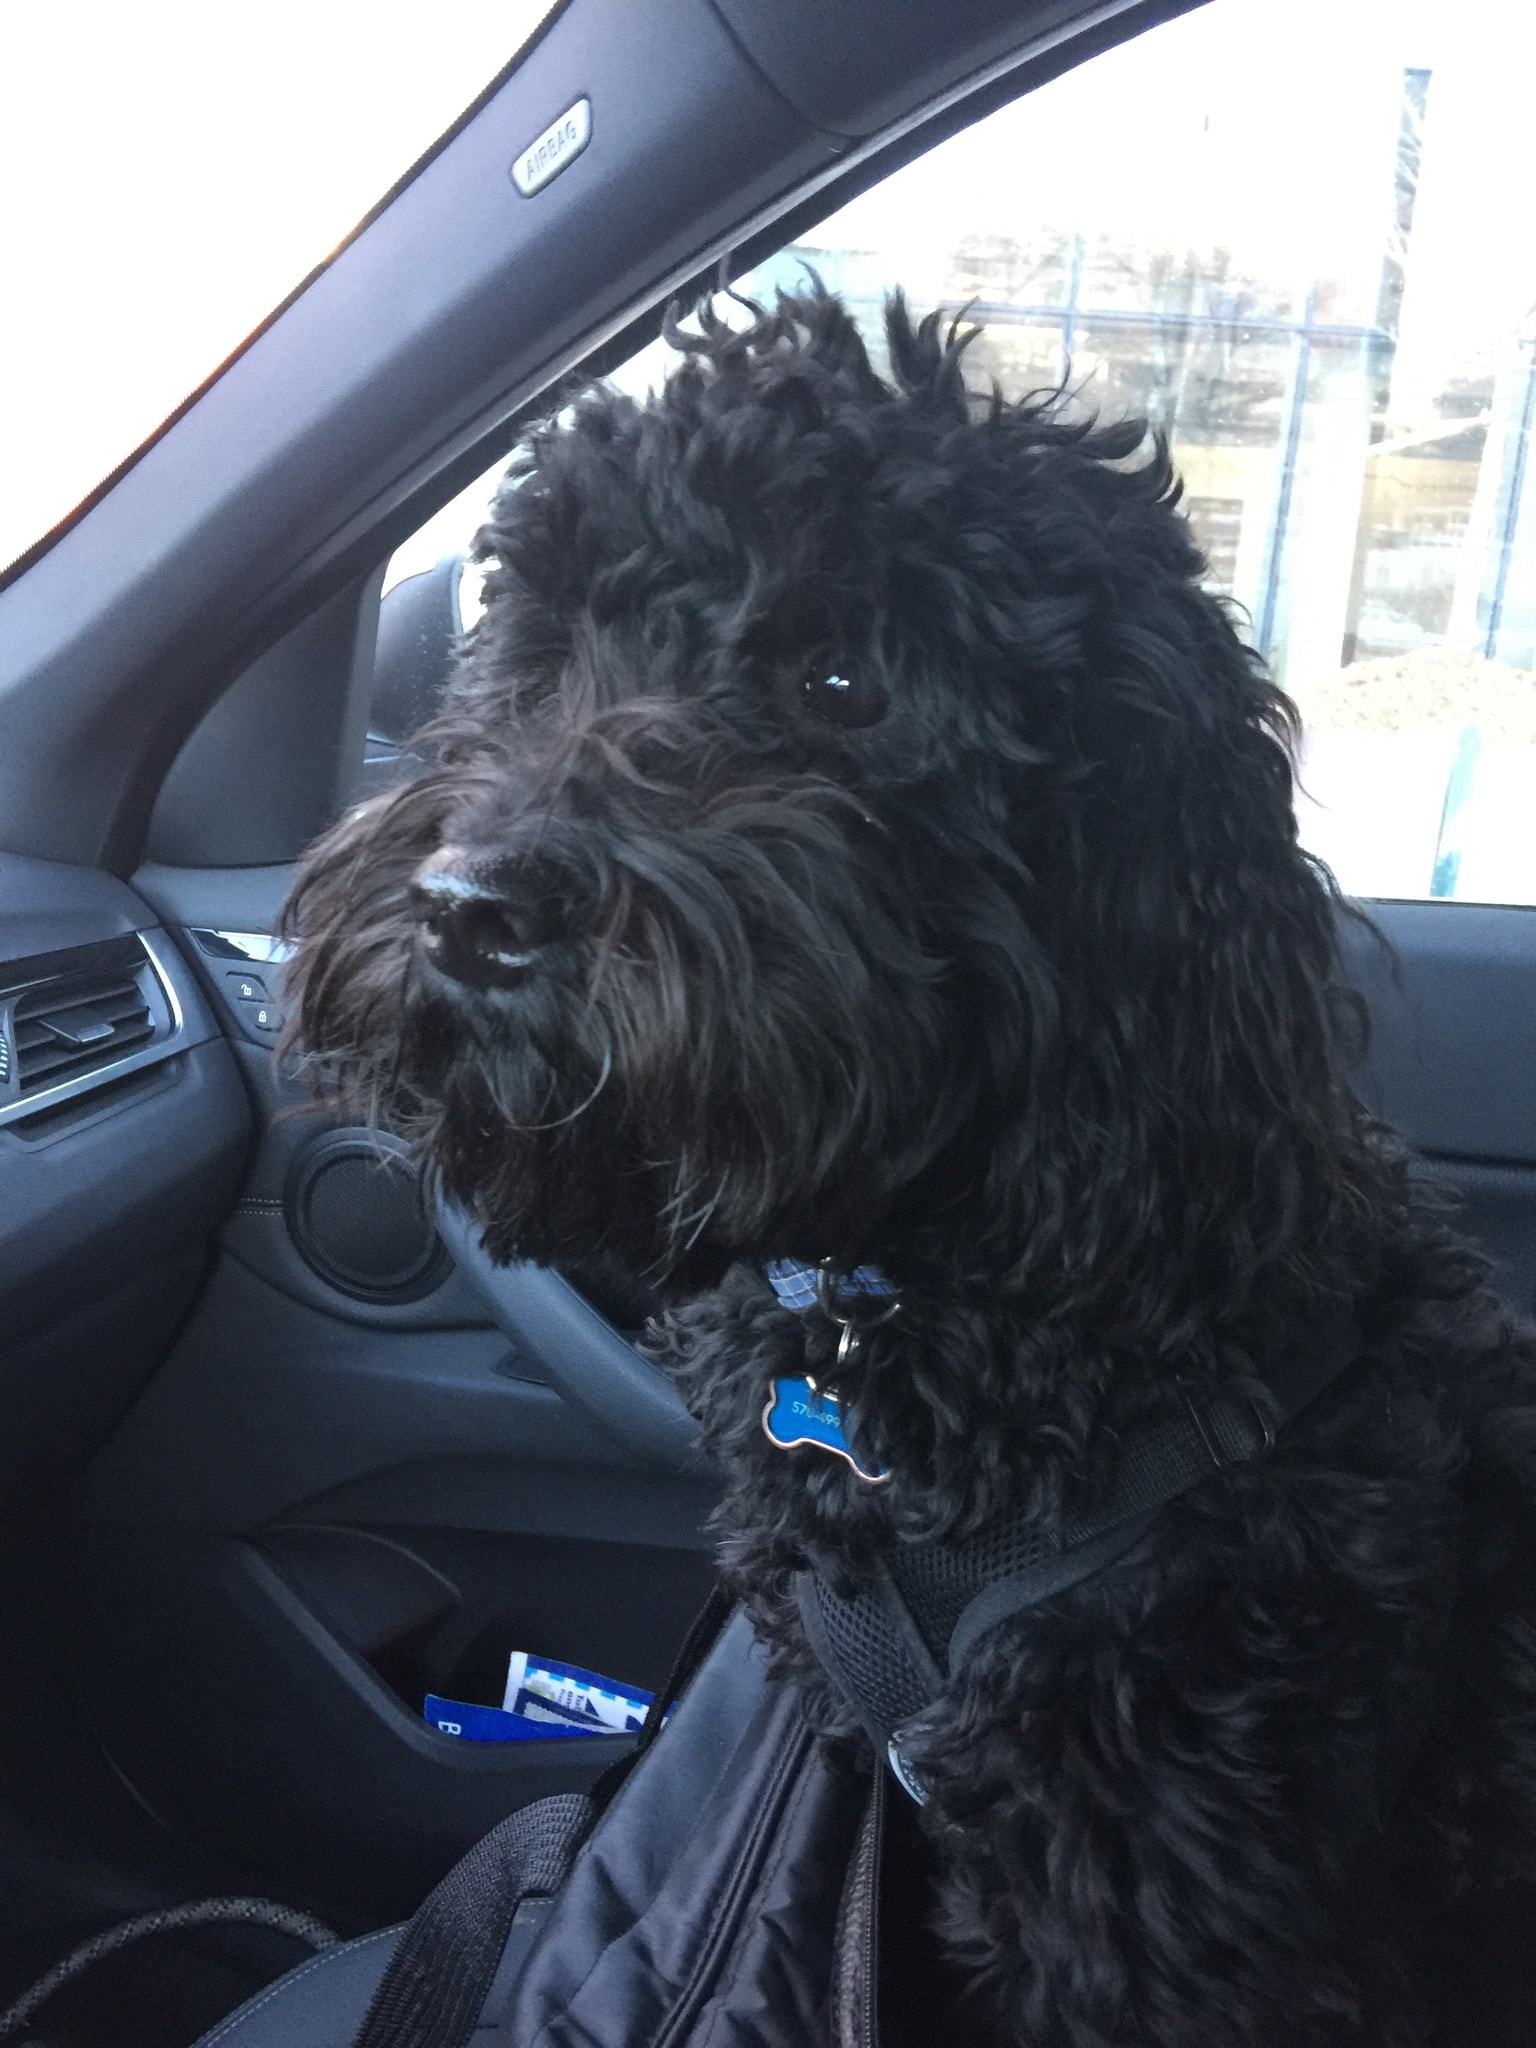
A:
(355, 1210)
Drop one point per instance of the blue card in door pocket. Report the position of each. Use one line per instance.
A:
(799, 1414)
(472, 1723)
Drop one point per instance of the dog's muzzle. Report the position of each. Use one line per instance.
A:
(474, 931)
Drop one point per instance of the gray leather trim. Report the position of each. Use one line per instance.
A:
(321, 2004)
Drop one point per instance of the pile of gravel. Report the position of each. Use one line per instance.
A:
(1434, 689)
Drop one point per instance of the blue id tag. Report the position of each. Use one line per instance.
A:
(798, 1413)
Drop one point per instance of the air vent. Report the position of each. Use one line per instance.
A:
(77, 1024)
(70, 1021)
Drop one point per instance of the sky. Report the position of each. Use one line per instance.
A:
(171, 169)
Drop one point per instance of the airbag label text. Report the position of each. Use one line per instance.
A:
(548, 154)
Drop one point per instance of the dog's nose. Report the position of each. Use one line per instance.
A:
(471, 930)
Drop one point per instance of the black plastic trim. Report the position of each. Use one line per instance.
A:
(829, 68)
(280, 755)
(231, 899)
(268, 1410)
(580, 1353)
(1453, 1026)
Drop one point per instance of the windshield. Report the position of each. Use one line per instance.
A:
(172, 171)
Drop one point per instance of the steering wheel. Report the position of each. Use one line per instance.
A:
(580, 1353)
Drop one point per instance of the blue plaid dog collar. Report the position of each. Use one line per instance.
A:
(801, 1287)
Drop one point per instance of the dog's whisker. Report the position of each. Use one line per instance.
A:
(705, 1216)
(517, 1126)
(556, 1123)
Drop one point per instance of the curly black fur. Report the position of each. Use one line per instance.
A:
(1022, 987)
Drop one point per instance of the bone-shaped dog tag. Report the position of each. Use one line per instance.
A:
(799, 1414)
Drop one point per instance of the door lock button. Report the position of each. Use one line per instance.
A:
(264, 1018)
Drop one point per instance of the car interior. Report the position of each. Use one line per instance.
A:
(282, 1452)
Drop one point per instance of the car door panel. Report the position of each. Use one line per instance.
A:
(1452, 1002)
(242, 1715)
(326, 1506)
(1453, 1026)
(301, 1531)
(305, 1526)
(266, 1409)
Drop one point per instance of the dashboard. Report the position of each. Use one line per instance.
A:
(125, 1130)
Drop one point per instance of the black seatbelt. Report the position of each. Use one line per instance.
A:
(445, 1962)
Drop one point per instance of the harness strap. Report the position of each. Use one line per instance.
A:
(892, 1638)
(1006, 1597)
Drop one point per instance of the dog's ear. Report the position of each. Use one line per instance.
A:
(1161, 1018)
(1189, 1139)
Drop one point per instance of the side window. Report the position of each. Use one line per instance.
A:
(1321, 292)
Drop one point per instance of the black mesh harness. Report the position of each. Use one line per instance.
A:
(891, 1642)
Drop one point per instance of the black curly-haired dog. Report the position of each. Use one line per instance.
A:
(856, 833)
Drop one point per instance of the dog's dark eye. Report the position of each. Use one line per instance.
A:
(845, 700)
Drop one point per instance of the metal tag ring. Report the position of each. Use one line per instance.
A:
(828, 1303)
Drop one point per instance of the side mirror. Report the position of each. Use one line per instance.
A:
(421, 626)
